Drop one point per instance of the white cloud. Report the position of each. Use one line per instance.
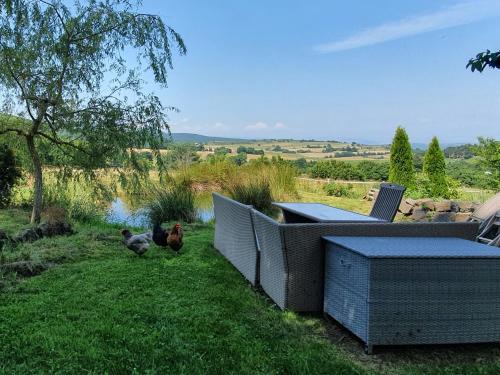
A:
(258, 126)
(262, 126)
(183, 126)
(459, 14)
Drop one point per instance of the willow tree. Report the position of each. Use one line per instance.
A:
(71, 77)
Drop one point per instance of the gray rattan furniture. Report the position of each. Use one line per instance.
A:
(388, 200)
(299, 212)
(235, 236)
(401, 291)
(489, 231)
(292, 255)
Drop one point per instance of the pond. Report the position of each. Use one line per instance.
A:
(119, 212)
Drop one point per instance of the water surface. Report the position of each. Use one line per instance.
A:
(119, 212)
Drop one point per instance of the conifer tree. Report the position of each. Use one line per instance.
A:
(402, 170)
(435, 169)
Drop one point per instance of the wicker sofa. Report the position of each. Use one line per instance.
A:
(235, 236)
(292, 255)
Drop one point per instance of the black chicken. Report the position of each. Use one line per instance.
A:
(160, 236)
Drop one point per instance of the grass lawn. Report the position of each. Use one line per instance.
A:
(103, 309)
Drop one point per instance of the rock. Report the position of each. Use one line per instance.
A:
(419, 214)
(405, 208)
(465, 206)
(444, 217)
(54, 229)
(426, 204)
(26, 235)
(461, 217)
(372, 194)
(410, 201)
(443, 206)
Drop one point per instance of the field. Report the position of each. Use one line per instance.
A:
(309, 150)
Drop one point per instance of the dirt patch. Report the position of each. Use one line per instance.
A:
(25, 268)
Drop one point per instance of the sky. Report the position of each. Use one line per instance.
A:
(336, 70)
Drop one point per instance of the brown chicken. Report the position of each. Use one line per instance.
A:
(174, 239)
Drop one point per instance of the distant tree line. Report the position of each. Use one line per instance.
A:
(356, 171)
(249, 150)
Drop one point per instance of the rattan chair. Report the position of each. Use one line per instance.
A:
(388, 200)
(235, 236)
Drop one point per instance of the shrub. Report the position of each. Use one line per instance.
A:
(338, 190)
(222, 150)
(9, 174)
(174, 203)
(424, 188)
(255, 193)
(239, 159)
(401, 170)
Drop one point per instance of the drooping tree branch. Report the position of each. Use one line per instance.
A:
(56, 58)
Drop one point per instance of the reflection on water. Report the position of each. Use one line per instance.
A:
(121, 213)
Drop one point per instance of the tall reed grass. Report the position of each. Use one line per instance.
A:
(175, 202)
(256, 193)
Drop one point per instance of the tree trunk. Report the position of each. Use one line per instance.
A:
(37, 168)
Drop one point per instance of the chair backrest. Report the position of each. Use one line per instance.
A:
(235, 235)
(489, 231)
(273, 268)
(387, 203)
(488, 208)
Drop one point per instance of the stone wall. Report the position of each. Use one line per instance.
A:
(429, 210)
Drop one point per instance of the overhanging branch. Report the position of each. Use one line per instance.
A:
(58, 141)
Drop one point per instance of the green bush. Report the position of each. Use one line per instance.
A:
(424, 188)
(255, 193)
(239, 159)
(339, 190)
(176, 203)
(9, 174)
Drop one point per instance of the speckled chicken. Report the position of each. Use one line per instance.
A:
(138, 243)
